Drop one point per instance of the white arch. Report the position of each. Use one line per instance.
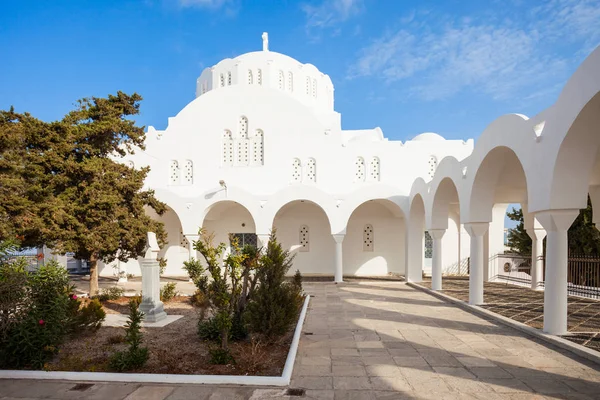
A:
(294, 193)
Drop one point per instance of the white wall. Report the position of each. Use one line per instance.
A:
(319, 260)
(388, 242)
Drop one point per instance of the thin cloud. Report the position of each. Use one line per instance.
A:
(330, 14)
(436, 57)
(203, 3)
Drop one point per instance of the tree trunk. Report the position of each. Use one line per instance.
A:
(224, 342)
(93, 275)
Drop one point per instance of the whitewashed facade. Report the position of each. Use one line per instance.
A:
(265, 126)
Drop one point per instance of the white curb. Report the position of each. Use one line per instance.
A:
(282, 380)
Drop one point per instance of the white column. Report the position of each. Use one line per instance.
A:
(436, 267)
(339, 266)
(191, 238)
(476, 230)
(556, 223)
(537, 236)
(263, 239)
(414, 251)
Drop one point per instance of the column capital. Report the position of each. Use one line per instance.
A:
(436, 233)
(536, 233)
(338, 237)
(263, 238)
(557, 220)
(477, 228)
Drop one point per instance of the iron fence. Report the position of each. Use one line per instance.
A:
(583, 273)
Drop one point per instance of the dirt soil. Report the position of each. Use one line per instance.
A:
(174, 349)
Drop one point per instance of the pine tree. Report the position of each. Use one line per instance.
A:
(61, 186)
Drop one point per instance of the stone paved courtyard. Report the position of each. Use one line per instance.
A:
(527, 306)
(385, 340)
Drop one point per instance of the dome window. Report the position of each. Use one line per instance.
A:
(174, 173)
(228, 78)
(308, 86)
(188, 172)
(290, 85)
(368, 238)
(374, 169)
(227, 156)
(250, 77)
(296, 170)
(314, 88)
(222, 80)
(359, 175)
(281, 80)
(259, 77)
(311, 170)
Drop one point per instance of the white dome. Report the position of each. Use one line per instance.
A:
(272, 70)
(428, 137)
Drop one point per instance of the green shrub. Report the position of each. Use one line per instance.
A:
(135, 356)
(14, 295)
(275, 304)
(168, 292)
(35, 337)
(220, 356)
(90, 316)
(208, 329)
(162, 265)
(110, 293)
(297, 280)
(199, 299)
(197, 274)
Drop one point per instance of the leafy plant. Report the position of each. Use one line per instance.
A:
(43, 325)
(197, 274)
(14, 294)
(208, 329)
(275, 304)
(168, 292)
(90, 316)
(220, 356)
(110, 293)
(162, 265)
(135, 356)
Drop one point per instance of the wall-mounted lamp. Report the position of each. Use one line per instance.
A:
(222, 183)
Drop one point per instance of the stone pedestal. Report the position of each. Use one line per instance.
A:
(151, 305)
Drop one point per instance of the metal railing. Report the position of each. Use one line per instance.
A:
(583, 273)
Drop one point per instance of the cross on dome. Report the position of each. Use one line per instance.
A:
(265, 39)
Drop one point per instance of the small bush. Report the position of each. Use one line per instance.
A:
(90, 316)
(197, 274)
(44, 323)
(199, 299)
(168, 292)
(162, 265)
(111, 293)
(208, 329)
(220, 356)
(275, 304)
(136, 356)
(115, 339)
(297, 280)
(13, 295)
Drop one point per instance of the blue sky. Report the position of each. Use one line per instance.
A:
(450, 66)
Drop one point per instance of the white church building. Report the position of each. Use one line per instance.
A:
(261, 146)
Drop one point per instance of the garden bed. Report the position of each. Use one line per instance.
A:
(174, 349)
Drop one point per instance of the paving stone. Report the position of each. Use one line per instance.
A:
(395, 383)
(383, 370)
(410, 362)
(312, 370)
(319, 395)
(354, 395)
(475, 362)
(490, 372)
(311, 382)
(351, 383)
(151, 393)
(349, 370)
(191, 392)
(549, 386)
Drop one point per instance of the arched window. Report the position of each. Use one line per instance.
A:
(304, 241)
(360, 170)
(182, 239)
(296, 170)
(222, 80)
(259, 77)
(258, 148)
(227, 148)
(244, 126)
(228, 78)
(311, 170)
(374, 169)
(314, 88)
(432, 166)
(290, 85)
(308, 85)
(281, 80)
(188, 172)
(174, 173)
(368, 238)
(250, 77)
